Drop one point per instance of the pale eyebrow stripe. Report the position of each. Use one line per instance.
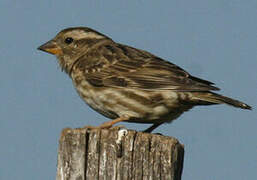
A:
(82, 34)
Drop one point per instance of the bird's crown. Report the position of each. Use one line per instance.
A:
(81, 33)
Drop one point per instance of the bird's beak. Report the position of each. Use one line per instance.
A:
(51, 47)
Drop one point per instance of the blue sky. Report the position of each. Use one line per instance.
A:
(214, 40)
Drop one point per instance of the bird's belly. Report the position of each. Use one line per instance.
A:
(142, 106)
(96, 99)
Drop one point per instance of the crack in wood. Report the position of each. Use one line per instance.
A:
(105, 154)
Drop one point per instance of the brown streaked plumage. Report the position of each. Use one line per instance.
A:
(128, 84)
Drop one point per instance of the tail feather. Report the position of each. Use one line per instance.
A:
(214, 98)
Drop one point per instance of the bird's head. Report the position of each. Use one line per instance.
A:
(71, 43)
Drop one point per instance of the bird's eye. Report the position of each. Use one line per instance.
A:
(68, 40)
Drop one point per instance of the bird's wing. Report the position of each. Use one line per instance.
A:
(126, 67)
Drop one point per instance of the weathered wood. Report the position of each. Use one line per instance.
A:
(118, 155)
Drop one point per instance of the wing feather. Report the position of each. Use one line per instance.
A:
(116, 65)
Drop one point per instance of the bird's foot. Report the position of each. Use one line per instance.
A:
(118, 127)
(108, 124)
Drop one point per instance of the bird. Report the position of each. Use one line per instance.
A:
(126, 84)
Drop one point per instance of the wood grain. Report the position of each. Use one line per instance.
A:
(118, 155)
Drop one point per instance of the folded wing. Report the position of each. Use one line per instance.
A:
(126, 67)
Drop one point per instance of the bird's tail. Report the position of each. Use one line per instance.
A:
(207, 98)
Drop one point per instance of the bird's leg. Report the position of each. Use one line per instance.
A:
(151, 128)
(108, 124)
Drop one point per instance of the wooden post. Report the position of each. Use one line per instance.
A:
(118, 155)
